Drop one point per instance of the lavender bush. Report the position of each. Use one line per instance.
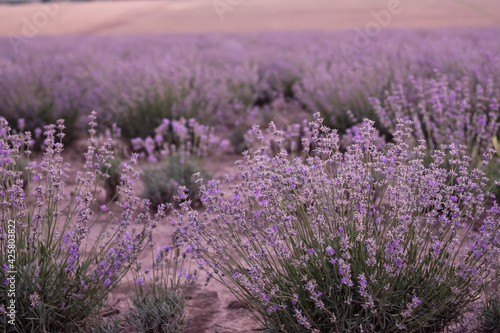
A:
(297, 138)
(111, 325)
(160, 185)
(69, 251)
(491, 316)
(444, 114)
(173, 137)
(159, 302)
(164, 311)
(368, 240)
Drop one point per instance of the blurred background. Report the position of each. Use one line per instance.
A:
(136, 17)
(229, 64)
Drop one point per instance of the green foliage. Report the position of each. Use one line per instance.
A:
(112, 179)
(161, 312)
(491, 316)
(137, 117)
(111, 325)
(238, 140)
(160, 185)
(21, 165)
(42, 114)
(493, 169)
(159, 302)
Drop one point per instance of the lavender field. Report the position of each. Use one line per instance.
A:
(232, 79)
(363, 199)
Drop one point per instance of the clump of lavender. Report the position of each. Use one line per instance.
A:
(181, 143)
(173, 137)
(364, 240)
(444, 112)
(490, 319)
(293, 138)
(296, 138)
(159, 302)
(69, 253)
(161, 184)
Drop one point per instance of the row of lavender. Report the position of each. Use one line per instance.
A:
(364, 238)
(238, 80)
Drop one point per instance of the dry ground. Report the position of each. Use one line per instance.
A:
(186, 16)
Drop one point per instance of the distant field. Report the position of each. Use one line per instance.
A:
(175, 16)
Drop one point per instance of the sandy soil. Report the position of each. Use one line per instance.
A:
(181, 16)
